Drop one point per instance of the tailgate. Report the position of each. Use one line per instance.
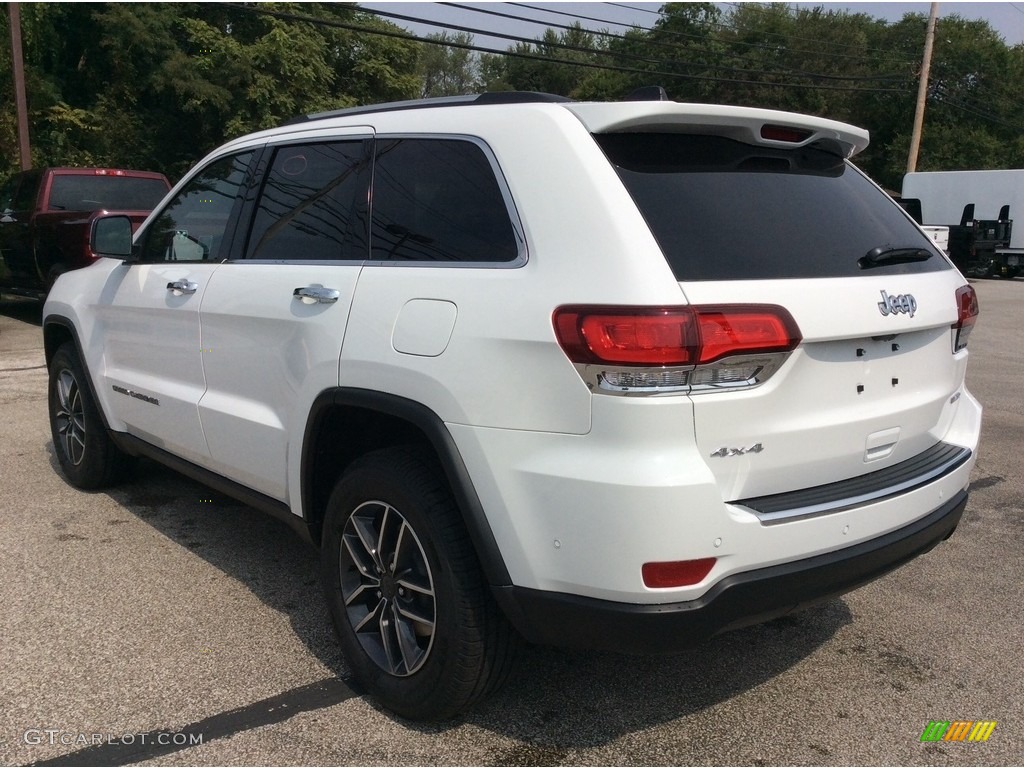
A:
(874, 380)
(863, 391)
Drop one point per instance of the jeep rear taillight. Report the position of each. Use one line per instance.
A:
(967, 314)
(739, 330)
(649, 350)
(628, 335)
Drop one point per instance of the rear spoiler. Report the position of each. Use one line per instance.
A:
(765, 127)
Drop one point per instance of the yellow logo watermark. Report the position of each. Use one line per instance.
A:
(958, 730)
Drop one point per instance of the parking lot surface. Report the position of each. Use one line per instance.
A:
(162, 623)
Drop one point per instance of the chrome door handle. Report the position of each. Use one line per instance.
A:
(181, 287)
(316, 294)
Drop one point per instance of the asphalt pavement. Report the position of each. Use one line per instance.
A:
(162, 623)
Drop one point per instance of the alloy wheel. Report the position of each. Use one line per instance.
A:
(387, 588)
(70, 417)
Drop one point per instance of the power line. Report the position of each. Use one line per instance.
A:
(680, 50)
(788, 37)
(674, 48)
(522, 54)
(957, 103)
(632, 8)
(943, 95)
(943, 73)
(725, 27)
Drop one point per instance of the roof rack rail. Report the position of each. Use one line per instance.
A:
(489, 98)
(648, 93)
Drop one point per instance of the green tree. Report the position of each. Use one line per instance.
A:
(156, 85)
(447, 70)
(552, 63)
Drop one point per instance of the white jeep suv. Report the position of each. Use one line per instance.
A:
(610, 375)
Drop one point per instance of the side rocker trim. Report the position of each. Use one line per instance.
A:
(136, 446)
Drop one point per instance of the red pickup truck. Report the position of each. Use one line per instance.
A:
(46, 218)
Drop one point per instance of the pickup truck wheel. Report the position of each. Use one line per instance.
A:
(86, 453)
(410, 605)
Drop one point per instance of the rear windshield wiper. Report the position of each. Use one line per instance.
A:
(880, 256)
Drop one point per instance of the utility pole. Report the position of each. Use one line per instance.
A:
(20, 103)
(922, 89)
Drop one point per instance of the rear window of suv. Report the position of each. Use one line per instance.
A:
(79, 192)
(724, 210)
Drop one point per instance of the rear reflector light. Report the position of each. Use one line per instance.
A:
(967, 314)
(672, 336)
(681, 573)
(783, 133)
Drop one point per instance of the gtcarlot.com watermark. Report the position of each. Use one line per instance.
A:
(54, 736)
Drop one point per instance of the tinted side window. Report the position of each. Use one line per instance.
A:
(192, 226)
(24, 199)
(724, 210)
(438, 200)
(313, 204)
(7, 194)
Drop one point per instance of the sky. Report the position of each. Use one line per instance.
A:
(1006, 18)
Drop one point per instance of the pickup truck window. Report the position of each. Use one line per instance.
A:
(313, 205)
(24, 197)
(192, 225)
(81, 192)
(7, 194)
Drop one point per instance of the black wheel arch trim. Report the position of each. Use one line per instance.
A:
(50, 350)
(431, 425)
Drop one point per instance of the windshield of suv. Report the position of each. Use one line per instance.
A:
(724, 210)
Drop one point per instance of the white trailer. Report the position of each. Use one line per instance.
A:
(944, 196)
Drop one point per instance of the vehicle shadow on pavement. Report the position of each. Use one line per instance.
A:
(555, 700)
(559, 700)
(25, 310)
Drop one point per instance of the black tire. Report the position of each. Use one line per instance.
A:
(430, 640)
(87, 455)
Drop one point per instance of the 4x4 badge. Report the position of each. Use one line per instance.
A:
(905, 303)
(725, 452)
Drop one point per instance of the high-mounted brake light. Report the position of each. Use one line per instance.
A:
(967, 314)
(785, 133)
(645, 350)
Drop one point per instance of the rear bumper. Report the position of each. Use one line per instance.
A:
(738, 600)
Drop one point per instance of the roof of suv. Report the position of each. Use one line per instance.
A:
(497, 97)
(641, 113)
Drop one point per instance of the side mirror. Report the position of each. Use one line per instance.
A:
(111, 236)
